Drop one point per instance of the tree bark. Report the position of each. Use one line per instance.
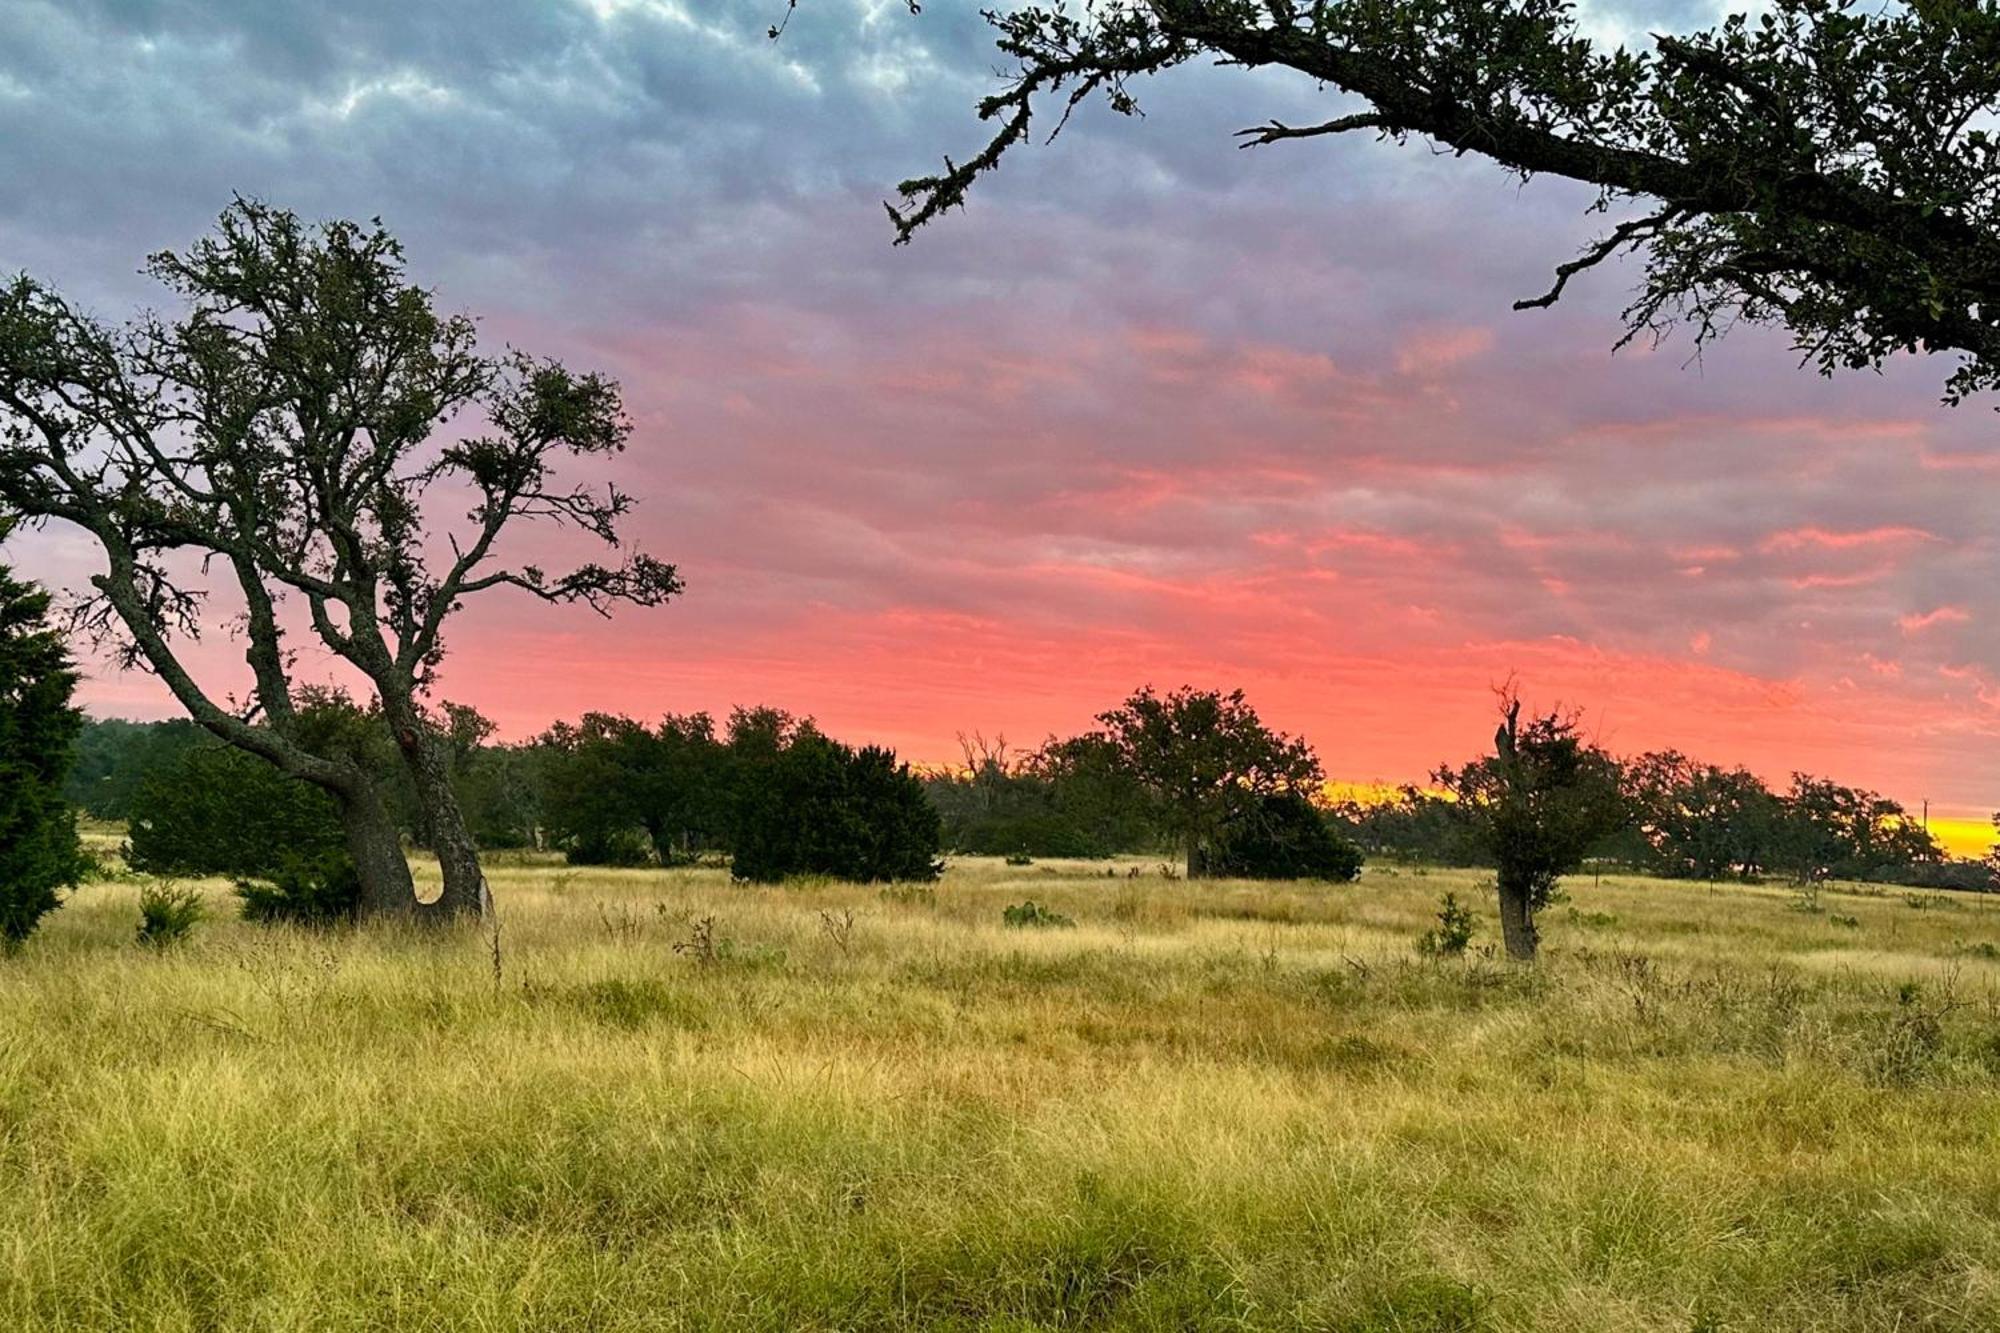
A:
(1517, 918)
(387, 891)
(465, 893)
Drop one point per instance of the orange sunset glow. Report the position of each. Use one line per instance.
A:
(1247, 421)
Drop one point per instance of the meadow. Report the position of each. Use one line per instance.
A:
(657, 1100)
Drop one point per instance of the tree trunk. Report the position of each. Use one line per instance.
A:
(1517, 918)
(376, 849)
(465, 892)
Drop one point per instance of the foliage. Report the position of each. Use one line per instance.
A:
(1068, 798)
(1825, 166)
(1697, 821)
(619, 792)
(1031, 914)
(1828, 831)
(39, 852)
(290, 427)
(1453, 932)
(312, 891)
(1206, 759)
(168, 915)
(221, 811)
(807, 805)
(1283, 835)
(1413, 825)
(1536, 806)
(114, 756)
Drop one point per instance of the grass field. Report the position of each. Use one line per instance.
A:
(1223, 1106)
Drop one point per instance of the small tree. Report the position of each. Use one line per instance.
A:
(1535, 806)
(813, 806)
(39, 853)
(1205, 758)
(292, 428)
(1284, 836)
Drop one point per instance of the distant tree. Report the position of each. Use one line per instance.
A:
(813, 806)
(39, 852)
(1830, 831)
(1697, 821)
(1535, 806)
(1823, 166)
(114, 756)
(1067, 798)
(620, 792)
(1283, 835)
(1413, 825)
(295, 427)
(1204, 758)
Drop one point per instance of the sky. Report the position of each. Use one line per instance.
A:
(1152, 409)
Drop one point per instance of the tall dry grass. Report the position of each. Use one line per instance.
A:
(1223, 1106)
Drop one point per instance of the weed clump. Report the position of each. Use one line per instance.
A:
(1031, 914)
(168, 915)
(1453, 932)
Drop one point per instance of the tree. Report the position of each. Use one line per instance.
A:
(1697, 821)
(1204, 758)
(1283, 835)
(812, 806)
(1825, 167)
(614, 779)
(1535, 806)
(39, 852)
(219, 810)
(294, 427)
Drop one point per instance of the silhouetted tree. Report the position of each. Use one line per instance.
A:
(39, 852)
(1697, 821)
(817, 807)
(287, 428)
(1204, 757)
(1535, 806)
(1823, 166)
(1283, 835)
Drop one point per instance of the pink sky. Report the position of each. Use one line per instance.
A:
(1151, 410)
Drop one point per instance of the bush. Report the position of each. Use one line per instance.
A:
(220, 811)
(1283, 836)
(817, 807)
(168, 915)
(39, 853)
(1033, 914)
(316, 891)
(1453, 932)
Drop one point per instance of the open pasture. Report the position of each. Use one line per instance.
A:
(657, 1100)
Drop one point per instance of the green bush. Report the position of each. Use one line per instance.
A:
(1453, 932)
(221, 811)
(1033, 914)
(1282, 835)
(315, 891)
(168, 915)
(817, 807)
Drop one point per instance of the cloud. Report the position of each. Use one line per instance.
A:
(1150, 408)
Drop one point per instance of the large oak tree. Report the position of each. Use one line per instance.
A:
(1828, 165)
(296, 428)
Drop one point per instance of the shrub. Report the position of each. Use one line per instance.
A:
(819, 807)
(1020, 859)
(1282, 835)
(1453, 932)
(316, 891)
(1033, 914)
(168, 915)
(39, 854)
(221, 811)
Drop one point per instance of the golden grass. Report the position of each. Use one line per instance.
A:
(1228, 1106)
